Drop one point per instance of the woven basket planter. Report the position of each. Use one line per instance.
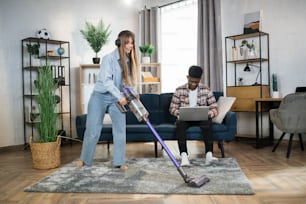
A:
(46, 155)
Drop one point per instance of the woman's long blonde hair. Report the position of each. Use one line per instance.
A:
(123, 38)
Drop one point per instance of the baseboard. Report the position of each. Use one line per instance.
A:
(13, 148)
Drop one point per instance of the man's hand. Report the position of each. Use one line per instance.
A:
(211, 114)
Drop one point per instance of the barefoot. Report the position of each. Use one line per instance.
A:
(124, 167)
(79, 163)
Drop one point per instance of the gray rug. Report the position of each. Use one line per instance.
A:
(146, 175)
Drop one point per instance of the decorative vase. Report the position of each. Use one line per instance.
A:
(251, 53)
(243, 53)
(146, 59)
(96, 60)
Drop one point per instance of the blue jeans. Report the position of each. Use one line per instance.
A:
(98, 105)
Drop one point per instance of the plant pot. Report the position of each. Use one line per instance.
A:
(275, 94)
(146, 59)
(46, 155)
(96, 60)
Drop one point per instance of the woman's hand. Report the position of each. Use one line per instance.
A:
(123, 101)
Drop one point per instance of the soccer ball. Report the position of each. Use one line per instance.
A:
(43, 34)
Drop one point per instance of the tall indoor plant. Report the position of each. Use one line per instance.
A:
(46, 147)
(96, 36)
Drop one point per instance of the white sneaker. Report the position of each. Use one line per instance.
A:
(184, 159)
(210, 158)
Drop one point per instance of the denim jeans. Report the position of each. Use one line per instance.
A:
(98, 105)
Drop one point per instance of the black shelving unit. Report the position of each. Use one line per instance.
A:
(60, 64)
(260, 87)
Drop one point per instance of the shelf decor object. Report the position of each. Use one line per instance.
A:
(275, 92)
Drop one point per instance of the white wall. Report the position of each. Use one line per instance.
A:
(20, 19)
(283, 19)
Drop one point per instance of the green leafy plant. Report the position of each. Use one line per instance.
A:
(246, 43)
(274, 82)
(96, 36)
(33, 49)
(147, 49)
(46, 87)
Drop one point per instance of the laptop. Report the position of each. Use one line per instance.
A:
(198, 113)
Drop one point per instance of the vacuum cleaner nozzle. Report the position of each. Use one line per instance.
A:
(198, 182)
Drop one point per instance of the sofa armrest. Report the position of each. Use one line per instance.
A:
(230, 121)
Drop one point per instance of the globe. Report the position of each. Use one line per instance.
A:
(60, 51)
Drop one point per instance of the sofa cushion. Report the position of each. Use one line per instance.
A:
(224, 105)
(165, 100)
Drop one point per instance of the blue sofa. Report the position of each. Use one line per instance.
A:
(158, 108)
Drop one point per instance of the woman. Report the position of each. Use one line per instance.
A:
(118, 70)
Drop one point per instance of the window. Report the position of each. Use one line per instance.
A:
(178, 42)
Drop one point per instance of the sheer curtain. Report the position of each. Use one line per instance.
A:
(210, 43)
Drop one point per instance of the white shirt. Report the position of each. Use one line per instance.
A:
(193, 97)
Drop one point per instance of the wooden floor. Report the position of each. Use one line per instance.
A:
(274, 178)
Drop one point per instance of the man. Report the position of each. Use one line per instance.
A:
(194, 94)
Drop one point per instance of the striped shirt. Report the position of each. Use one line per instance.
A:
(205, 97)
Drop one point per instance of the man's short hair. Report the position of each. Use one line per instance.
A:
(195, 71)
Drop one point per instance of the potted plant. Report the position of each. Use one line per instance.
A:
(33, 50)
(46, 147)
(275, 92)
(147, 50)
(96, 36)
(251, 48)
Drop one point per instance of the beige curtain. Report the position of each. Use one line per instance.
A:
(210, 43)
(149, 21)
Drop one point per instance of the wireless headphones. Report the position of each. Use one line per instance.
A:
(118, 42)
(122, 33)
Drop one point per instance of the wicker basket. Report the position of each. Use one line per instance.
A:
(46, 155)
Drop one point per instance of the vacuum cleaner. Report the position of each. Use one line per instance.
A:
(142, 114)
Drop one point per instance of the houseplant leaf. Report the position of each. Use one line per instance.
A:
(96, 36)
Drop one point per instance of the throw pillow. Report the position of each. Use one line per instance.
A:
(224, 105)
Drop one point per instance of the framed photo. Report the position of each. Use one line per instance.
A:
(252, 22)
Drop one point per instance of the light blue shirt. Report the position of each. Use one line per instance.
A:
(110, 78)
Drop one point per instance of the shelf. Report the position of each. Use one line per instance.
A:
(53, 57)
(39, 40)
(248, 60)
(245, 94)
(30, 68)
(244, 36)
(149, 78)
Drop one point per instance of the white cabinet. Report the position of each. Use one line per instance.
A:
(88, 77)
